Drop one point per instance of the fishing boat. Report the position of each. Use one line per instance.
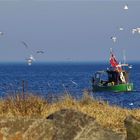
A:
(116, 78)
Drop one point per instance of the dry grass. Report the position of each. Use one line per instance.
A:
(29, 105)
(22, 105)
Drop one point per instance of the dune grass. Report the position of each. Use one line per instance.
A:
(31, 105)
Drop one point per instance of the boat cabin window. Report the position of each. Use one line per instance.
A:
(97, 76)
(104, 77)
(101, 76)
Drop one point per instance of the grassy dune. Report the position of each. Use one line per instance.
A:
(30, 105)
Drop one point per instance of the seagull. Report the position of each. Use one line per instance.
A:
(121, 29)
(114, 38)
(1, 33)
(39, 51)
(25, 44)
(74, 83)
(30, 60)
(68, 59)
(125, 7)
(49, 85)
(134, 30)
(63, 85)
(138, 30)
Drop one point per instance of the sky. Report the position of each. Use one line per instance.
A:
(68, 31)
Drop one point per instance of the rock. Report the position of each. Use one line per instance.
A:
(40, 130)
(10, 128)
(62, 125)
(69, 123)
(132, 128)
(96, 132)
(26, 129)
(73, 125)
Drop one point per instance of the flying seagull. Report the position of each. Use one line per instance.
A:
(68, 58)
(25, 44)
(30, 60)
(125, 7)
(1, 33)
(121, 29)
(74, 83)
(39, 51)
(134, 30)
(49, 85)
(114, 38)
(138, 30)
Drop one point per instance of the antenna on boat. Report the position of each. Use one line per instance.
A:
(111, 50)
(124, 57)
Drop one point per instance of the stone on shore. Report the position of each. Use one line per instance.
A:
(73, 125)
(132, 128)
(62, 125)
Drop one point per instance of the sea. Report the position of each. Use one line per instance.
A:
(57, 79)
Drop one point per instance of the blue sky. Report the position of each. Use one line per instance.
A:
(76, 31)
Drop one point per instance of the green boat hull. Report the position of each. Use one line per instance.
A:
(115, 88)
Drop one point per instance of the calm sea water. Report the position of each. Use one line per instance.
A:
(57, 78)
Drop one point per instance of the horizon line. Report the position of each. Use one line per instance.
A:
(23, 62)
